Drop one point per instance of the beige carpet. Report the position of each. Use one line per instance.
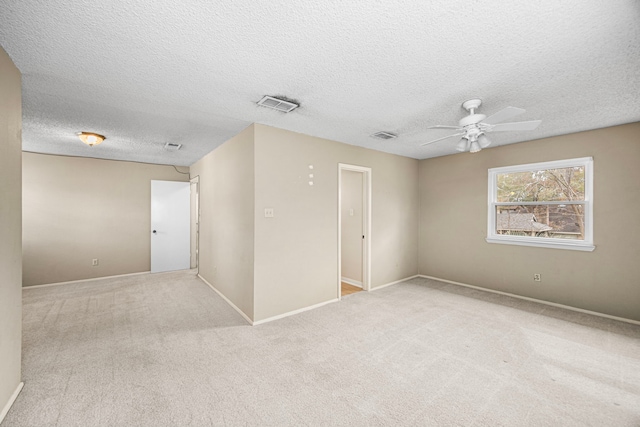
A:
(165, 350)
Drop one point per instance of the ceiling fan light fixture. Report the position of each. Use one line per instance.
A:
(91, 138)
(472, 127)
(483, 141)
(475, 147)
(462, 145)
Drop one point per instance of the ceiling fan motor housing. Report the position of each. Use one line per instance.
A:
(471, 119)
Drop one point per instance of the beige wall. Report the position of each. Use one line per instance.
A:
(453, 222)
(77, 209)
(227, 218)
(10, 228)
(351, 223)
(296, 252)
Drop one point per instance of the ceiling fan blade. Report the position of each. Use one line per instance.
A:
(445, 137)
(502, 115)
(444, 127)
(502, 127)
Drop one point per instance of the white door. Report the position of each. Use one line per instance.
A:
(170, 222)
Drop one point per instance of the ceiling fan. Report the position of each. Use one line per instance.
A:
(473, 127)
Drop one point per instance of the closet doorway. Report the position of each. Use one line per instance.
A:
(354, 229)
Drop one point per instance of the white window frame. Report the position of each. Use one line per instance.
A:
(543, 242)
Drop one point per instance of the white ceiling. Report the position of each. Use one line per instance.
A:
(145, 73)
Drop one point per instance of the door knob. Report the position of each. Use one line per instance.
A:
(154, 231)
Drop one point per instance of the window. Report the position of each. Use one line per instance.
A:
(542, 204)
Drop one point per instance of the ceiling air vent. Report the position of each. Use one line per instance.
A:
(278, 104)
(170, 146)
(384, 135)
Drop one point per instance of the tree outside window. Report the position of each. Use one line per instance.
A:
(550, 201)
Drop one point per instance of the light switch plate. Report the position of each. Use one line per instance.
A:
(268, 212)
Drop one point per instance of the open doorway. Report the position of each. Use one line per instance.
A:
(354, 229)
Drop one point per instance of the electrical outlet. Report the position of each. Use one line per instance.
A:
(94, 262)
(537, 277)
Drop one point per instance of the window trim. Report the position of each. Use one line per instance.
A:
(555, 243)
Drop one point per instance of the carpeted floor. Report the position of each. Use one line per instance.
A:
(165, 350)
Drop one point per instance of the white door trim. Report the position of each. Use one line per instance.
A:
(196, 180)
(366, 220)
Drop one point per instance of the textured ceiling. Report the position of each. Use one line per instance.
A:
(145, 73)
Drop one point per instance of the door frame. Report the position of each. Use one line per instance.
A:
(196, 180)
(366, 224)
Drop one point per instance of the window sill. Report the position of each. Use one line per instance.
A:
(586, 247)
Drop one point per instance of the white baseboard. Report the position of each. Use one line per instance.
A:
(227, 300)
(84, 280)
(553, 304)
(351, 281)
(9, 404)
(291, 313)
(395, 283)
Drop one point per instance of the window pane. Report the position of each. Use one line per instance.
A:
(550, 185)
(549, 221)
